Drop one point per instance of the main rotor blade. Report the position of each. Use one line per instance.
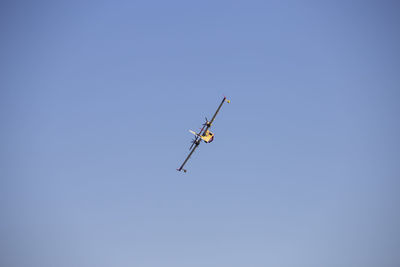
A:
(191, 146)
(193, 142)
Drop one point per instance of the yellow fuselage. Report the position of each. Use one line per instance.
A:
(207, 137)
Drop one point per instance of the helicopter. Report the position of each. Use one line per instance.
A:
(204, 135)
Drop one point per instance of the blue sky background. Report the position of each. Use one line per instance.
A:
(97, 97)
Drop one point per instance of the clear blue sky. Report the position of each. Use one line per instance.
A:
(97, 97)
